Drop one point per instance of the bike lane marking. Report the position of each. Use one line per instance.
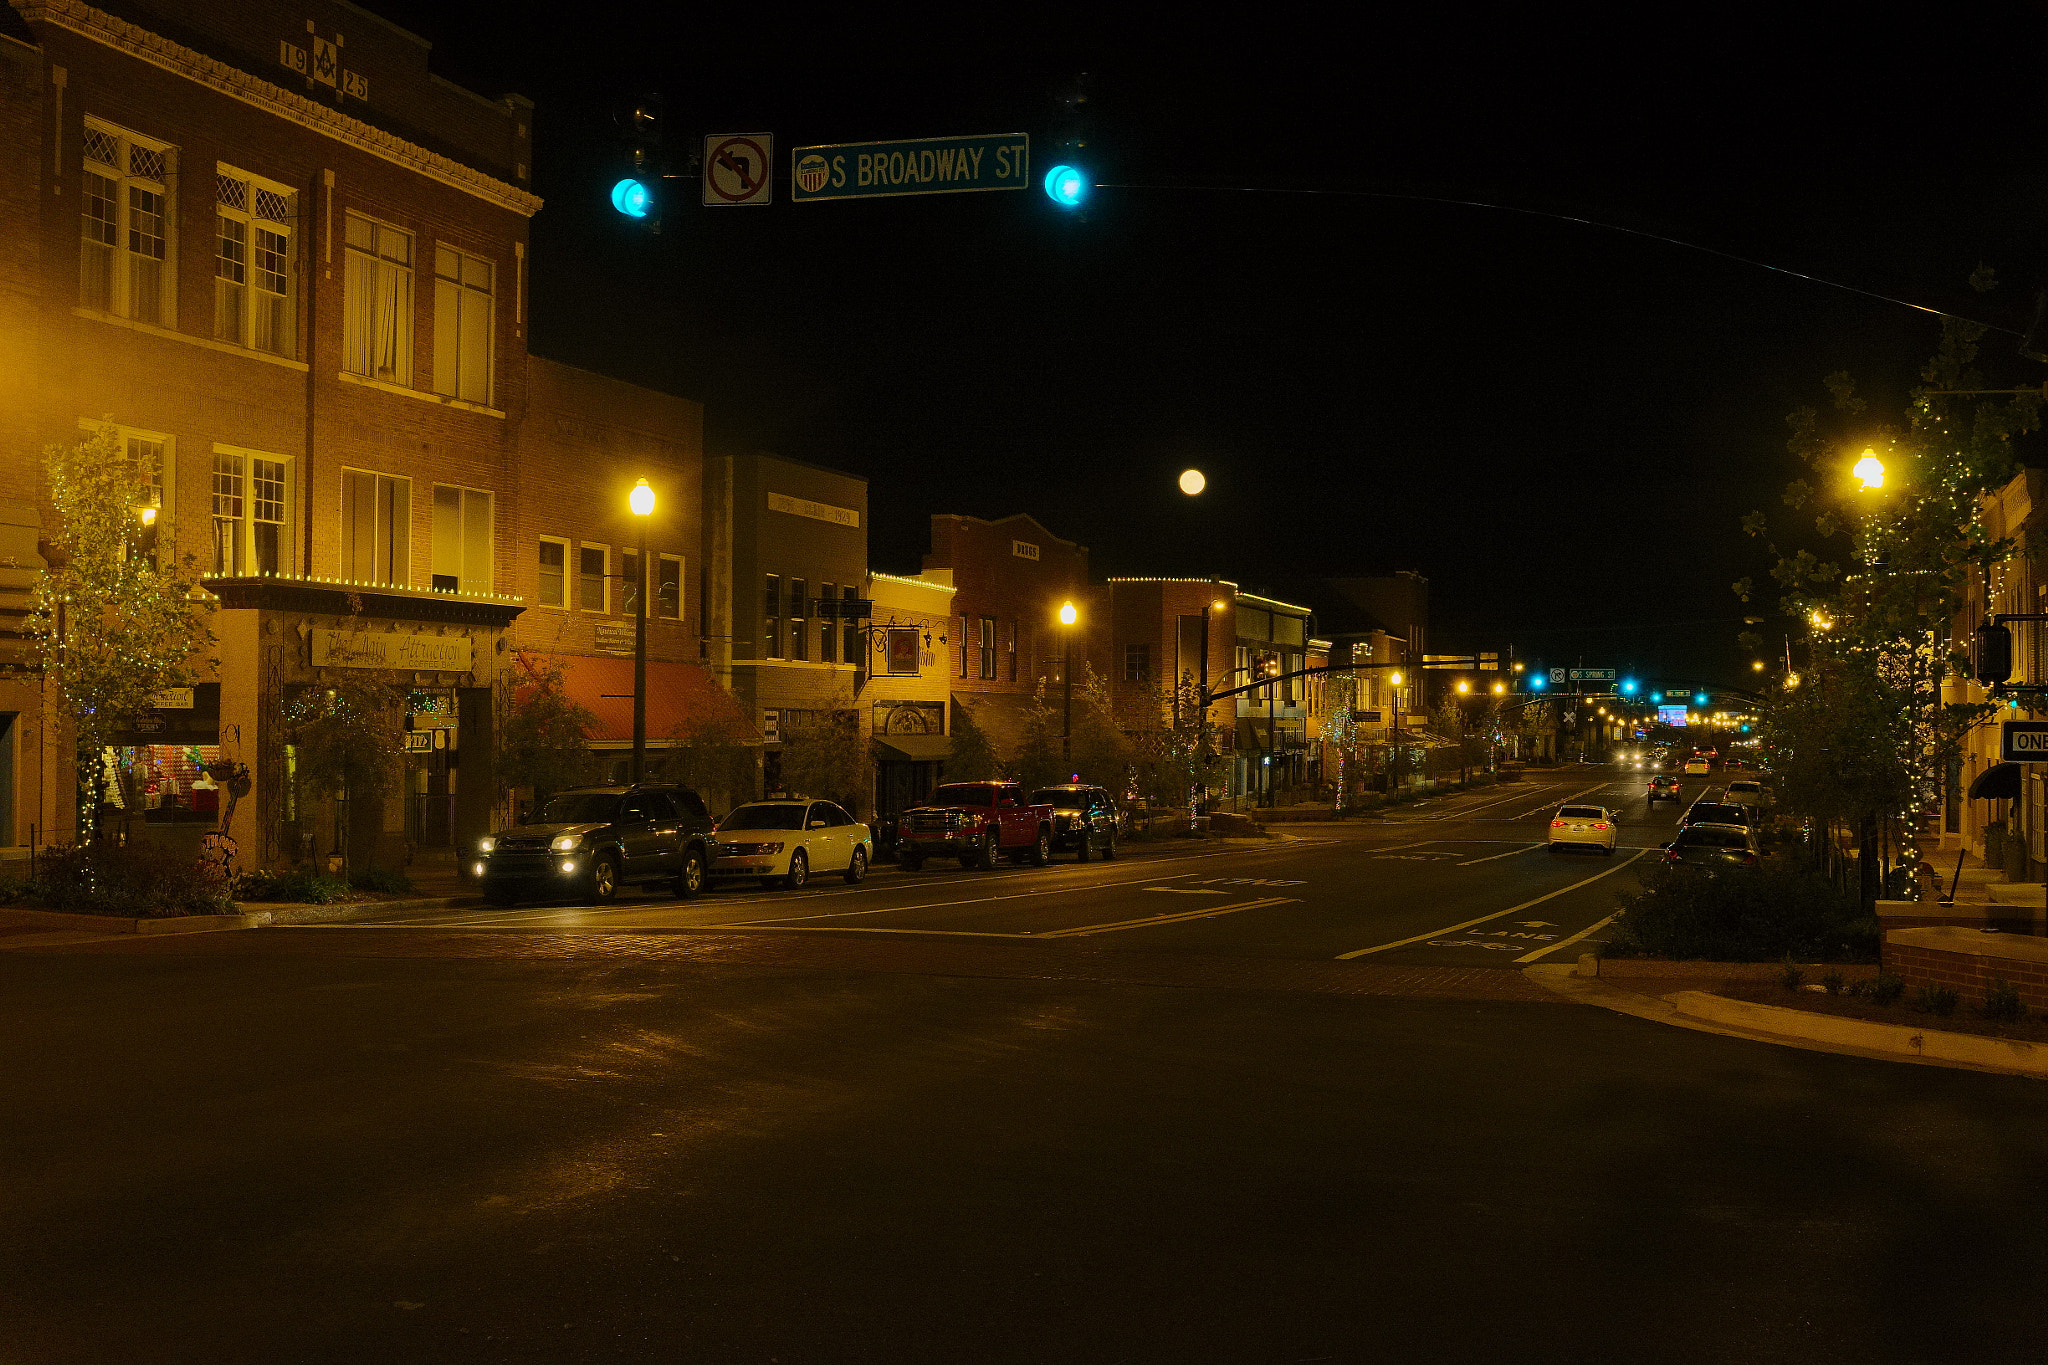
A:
(1483, 919)
(1566, 943)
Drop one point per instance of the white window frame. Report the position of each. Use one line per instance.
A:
(402, 536)
(480, 582)
(677, 615)
(368, 268)
(568, 572)
(110, 139)
(259, 202)
(246, 520)
(465, 321)
(167, 473)
(605, 609)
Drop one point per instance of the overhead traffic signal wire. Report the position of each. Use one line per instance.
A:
(1583, 222)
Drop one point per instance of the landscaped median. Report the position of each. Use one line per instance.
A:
(1762, 1002)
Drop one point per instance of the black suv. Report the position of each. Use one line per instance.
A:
(1717, 813)
(1084, 819)
(594, 840)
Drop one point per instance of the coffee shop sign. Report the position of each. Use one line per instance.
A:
(395, 649)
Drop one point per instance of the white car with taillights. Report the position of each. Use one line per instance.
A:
(784, 843)
(1583, 827)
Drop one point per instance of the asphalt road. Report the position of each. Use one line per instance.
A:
(1199, 1140)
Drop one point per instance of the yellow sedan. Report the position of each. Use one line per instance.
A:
(1583, 827)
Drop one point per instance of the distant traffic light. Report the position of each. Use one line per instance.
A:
(1537, 682)
(1699, 699)
(1628, 687)
(1991, 653)
(637, 193)
(633, 198)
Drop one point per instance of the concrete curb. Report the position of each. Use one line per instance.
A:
(1708, 1013)
(121, 924)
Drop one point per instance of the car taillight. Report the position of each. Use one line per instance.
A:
(1557, 824)
(1599, 824)
(1671, 857)
(1749, 860)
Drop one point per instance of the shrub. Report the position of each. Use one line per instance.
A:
(1932, 999)
(1777, 911)
(102, 879)
(1791, 977)
(310, 888)
(1886, 990)
(385, 879)
(1834, 981)
(2003, 1004)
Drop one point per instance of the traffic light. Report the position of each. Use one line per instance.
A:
(1068, 182)
(1537, 682)
(637, 193)
(1628, 687)
(1991, 653)
(1699, 699)
(1066, 186)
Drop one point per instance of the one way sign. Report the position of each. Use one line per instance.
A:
(2023, 741)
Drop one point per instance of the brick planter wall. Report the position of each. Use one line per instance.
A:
(1969, 960)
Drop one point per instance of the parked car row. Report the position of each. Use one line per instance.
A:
(593, 841)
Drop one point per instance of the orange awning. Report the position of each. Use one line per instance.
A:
(681, 698)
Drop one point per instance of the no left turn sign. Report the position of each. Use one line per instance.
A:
(738, 167)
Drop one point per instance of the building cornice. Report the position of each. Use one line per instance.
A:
(159, 51)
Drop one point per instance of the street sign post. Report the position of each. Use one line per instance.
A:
(933, 165)
(1592, 675)
(2023, 741)
(739, 168)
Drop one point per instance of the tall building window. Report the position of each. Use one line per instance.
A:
(377, 302)
(591, 584)
(828, 626)
(1137, 663)
(252, 264)
(376, 528)
(799, 621)
(850, 639)
(249, 500)
(1013, 651)
(463, 316)
(149, 456)
(988, 647)
(772, 629)
(668, 588)
(966, 648)
(554, 573)
(125, 232)
(462, 540)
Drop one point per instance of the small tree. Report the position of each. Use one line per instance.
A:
(974, 758)
(832, 760)
(348, 737)
(1102, 754)
(546, 739)
(112, 623)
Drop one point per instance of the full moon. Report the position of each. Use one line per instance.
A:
(1192, 482)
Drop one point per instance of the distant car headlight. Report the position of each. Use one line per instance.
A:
(486, 844)
(564, 842)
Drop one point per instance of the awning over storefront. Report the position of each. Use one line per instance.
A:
(913, 748)
(1999, 782)
(681, 698)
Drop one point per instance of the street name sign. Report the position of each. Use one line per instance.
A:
(932, 165)
(2023, 741)
(1592, 675)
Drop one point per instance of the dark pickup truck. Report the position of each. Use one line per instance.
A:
(975, 822)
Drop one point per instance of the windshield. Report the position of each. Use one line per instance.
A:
(1712, 838)
(1581, 813)
(963, 794)
(765, 817)
(1059, 796)
(579, 808)
(1743, 787)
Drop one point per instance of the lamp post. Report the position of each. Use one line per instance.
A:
(1067, 617)
(1202, 714)
(641, 500)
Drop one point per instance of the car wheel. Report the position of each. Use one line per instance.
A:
(604, 878)
(985, 856)
(1607, 852)
(1109, 849)
(690, 880)
(1081, 849)
(1041, 852)
(799, 871)
(857, 870)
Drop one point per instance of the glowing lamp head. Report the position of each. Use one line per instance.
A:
(1870, 469)
(641, 499)
(148, 515)
(1394, 678)
(1192, 482)
(1068, 615)
(632, 198)
(1066, 186)
(1499, 689)
(1464, 686)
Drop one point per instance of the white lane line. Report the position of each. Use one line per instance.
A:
(1509, 854)
(1207, 912)
(1191, 890)
(1548, 805)
(1499, 914)
(941, 905)
(1566, 943)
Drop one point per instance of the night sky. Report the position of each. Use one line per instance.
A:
(1559, 425)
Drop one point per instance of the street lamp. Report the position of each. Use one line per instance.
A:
(641, 500)
(1870, 469)
(1067, 617)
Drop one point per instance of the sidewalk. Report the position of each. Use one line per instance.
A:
(1707, 1012)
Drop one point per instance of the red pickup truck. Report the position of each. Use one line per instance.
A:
(975, 821)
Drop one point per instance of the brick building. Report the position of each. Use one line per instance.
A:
(1011, 577)
(288, 262)
(906, 685)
